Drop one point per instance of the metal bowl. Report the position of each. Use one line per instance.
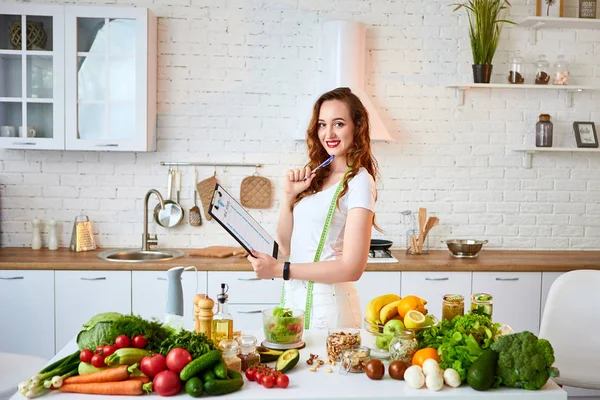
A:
(464, 248)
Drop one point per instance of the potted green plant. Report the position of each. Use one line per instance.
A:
(485, 26)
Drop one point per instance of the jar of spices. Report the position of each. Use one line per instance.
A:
(561, 72)
(543, 131)
(516, 74)
(355, 359)
(230, 354)
(482, 304)
(453, 305)
(542, 72)
(403, 346)
(248, 353)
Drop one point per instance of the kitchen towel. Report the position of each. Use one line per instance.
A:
(255, 192)
(206, 189)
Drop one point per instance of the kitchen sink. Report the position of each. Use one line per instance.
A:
(138, 255)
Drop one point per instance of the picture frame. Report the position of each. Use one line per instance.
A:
(549, 8)
(585, 134)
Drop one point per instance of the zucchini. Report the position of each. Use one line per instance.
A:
(220, 369)
(217, 387)
(200, 364)
(126, 356)
(85, 368)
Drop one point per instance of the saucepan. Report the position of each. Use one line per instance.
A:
(172, 214)
(464, 248)
(380, 244)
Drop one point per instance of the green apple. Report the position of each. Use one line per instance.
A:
(393, 326)
(383, 341)
(428, 320)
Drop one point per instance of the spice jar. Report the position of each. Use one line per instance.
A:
(482, 304)
(339, 340)
(542, 72)
(230, 354)
(355, 359)
(543, 131)
(248, 353)
(403, 346)
(516, 74)
(453, 305)
(561, 72)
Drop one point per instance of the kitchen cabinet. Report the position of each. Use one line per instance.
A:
(244, 287)
(516, 297)
(372, 284)
(85, 79)
(27, 312)
(79, 295)
(432, 286)
(149, 294)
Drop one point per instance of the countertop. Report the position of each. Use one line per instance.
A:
(23, 258)
(320, 385)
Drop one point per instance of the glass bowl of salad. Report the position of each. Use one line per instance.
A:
(283, 325)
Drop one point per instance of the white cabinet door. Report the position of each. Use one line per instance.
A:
(247, 318)
(110, 55)
(372, 284)
(548, 279)
(516, 297)
(432, 286)
(27, 312)
(82, 294)
(149, 294)
(32, 77)
(244, 287)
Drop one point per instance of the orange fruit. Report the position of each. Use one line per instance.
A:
(423, 354)
(411, 303)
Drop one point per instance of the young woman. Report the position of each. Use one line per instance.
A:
(339, 127)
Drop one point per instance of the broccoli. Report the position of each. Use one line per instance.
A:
(524, 360)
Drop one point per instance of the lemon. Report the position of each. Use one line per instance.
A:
(414, 319)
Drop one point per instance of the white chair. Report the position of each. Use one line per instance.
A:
(15, 368)
(571, 323)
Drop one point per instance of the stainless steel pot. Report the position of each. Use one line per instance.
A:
(464, 248)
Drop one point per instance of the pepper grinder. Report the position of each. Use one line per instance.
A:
(52, 238)
(203, 311)
(36, 240)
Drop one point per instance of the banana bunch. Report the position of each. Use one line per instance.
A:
(382, 308)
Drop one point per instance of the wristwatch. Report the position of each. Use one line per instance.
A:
(286, 271)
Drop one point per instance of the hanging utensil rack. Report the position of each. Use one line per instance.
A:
(201, 164)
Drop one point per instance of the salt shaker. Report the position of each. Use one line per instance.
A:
(52, 237)
(36, 240)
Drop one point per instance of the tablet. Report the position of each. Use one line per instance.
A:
(239, 223)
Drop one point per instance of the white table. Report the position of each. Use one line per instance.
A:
(306, 385)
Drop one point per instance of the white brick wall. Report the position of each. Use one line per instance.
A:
(233, 75)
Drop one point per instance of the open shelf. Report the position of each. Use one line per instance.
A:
(535, 23)
(529, 151)
(568, 89)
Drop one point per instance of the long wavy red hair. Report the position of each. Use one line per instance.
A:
(358, 156)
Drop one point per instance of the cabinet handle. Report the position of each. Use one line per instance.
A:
(437, 279)
(248, 279)
(100, 278)
(507, 279)
(11, 278)
(24, 143)
(161, 279)
(249, 312)
(108, 145)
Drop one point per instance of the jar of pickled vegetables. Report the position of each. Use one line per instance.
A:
(482, 303)
(453, 305)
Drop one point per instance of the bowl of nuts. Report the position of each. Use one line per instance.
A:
(341, 339)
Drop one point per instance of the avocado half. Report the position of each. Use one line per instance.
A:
(287, 360)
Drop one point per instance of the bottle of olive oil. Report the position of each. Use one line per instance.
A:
(222, 324)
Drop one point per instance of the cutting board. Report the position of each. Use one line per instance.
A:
(218, 252)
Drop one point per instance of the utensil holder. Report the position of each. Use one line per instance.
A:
(410, 247)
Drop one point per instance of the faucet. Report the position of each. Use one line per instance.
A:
(148, 240)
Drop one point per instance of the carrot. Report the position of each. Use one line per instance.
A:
(124, 388)
(143, 379)
(116, 374)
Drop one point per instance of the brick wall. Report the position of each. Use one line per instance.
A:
(233, 74)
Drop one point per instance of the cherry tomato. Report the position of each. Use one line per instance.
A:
(282, 381)
(122, 341)
(108, 349)
(99, 349)
(250, 374)
(276, 374)
(86, 355)
(258, 377)
(139, 341)
(268, 381)
(98, 361)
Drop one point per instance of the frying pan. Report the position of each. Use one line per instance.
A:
(380, 244)
(172, 214)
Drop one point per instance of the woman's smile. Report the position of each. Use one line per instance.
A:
(332, 144)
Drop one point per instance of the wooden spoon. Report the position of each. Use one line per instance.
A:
(422, 221)
(431, 222)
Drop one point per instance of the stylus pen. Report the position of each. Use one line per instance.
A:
(323, 164)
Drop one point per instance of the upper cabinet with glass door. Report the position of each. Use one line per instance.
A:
(110, 78)
(31, 77)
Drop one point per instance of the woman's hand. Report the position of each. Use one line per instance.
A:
(295, 183)
(265, 266)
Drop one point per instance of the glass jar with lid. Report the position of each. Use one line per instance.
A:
(542, 72)
(453, 305)
(341, 339)
(403, 346)
(355, 359)
(482, 304)
(561, 72)
(543, 131)
(230, 350)
(248, 353)
(516, 75)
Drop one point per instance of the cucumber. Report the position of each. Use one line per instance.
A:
(208, 375)
(217, 387)
(194, 387)
(220, 369)
(201, 363)
(234, 374)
